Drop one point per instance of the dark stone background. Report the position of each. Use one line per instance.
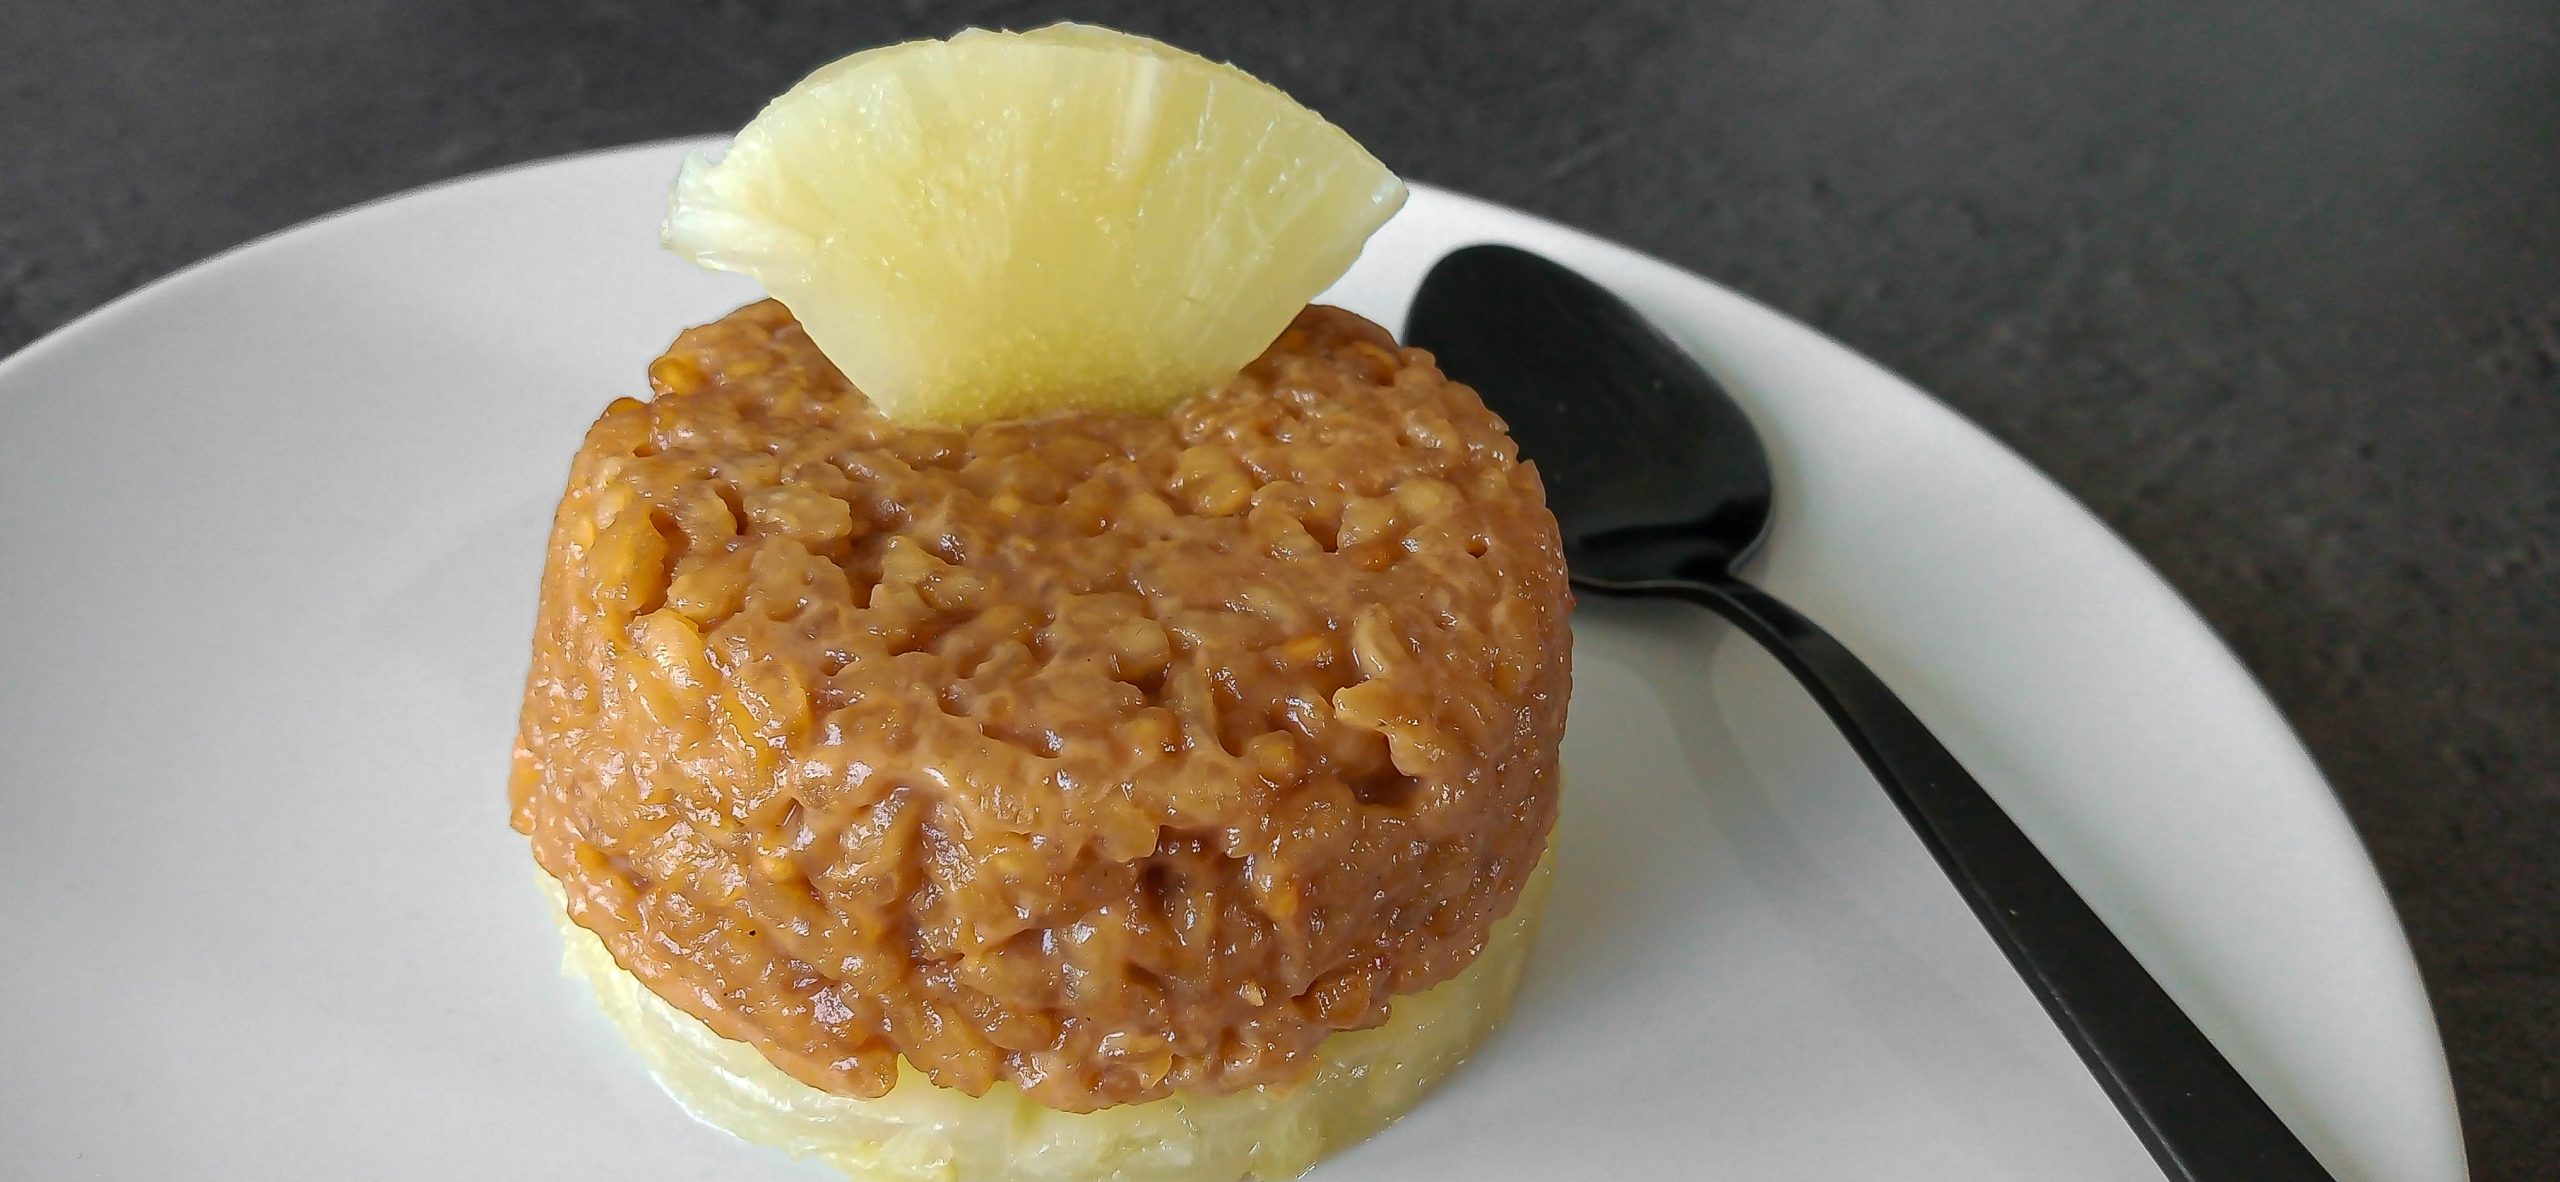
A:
(2275, 286)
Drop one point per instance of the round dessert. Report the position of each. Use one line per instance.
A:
(1000, 714)
(1094, 759)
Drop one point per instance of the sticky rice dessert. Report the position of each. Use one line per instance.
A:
(1100, 793)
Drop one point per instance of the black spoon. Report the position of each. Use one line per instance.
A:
(1662, 488)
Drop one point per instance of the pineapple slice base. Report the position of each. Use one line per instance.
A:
(923, 1133)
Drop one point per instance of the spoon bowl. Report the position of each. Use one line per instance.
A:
(1665, 476)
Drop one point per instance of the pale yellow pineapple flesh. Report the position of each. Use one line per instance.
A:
(1009, 224)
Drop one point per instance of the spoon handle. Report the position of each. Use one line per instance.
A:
(2192, 1110)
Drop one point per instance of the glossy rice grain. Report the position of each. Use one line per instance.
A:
(1102, 755)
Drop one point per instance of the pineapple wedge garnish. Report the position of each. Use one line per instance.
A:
(1003, 225)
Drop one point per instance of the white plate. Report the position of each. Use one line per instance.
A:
(269, 533)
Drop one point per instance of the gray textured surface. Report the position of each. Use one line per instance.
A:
(2275, 288)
